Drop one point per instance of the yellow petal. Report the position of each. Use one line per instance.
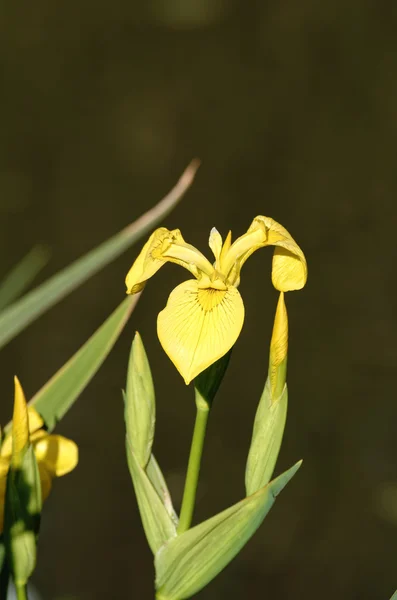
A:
(279, 348)
(146, 265)
(35, 420)
(165, 246)
(215, 243)
(6, 446)
(198, 326)
(45, 480)
(58, 454)
(289, 270)
(20, 424)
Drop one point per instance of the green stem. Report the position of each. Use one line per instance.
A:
(193, 468)
(21, 591)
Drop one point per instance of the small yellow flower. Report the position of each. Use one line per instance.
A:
(204, 316)
(55, 454)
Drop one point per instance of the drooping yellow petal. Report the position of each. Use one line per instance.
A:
(279, 348)
(289, 270)
(58, 454)
(198, 326)
(165, 246)
(20, 425)
(146, 265)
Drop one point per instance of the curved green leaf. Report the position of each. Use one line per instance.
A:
(188, 562)
(55, 398)
(22, 275)
(20, 314)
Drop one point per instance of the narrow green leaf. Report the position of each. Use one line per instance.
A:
(22, 517)
(157, 523)
(20, 314)
(156, 477)
(22, 275)
(266, 439)
(140, 403)
(60, 392)
(188, 562)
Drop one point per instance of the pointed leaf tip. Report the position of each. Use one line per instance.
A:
(278, 484)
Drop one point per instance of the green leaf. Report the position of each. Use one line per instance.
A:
(60, 392)
(188, 562)
(266, 439)
(22, 275)
(140, 403)
(157, 522)
(22, 517)
(20, 314)
(394, 597)
(156, 477)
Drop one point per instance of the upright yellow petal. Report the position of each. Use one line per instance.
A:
(58, 454)
(279, 349)
(215, 243)
(20, 425)
(198, 326)
(35, 423)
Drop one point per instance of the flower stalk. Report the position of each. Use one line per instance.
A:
(193, 469)
(21, 592)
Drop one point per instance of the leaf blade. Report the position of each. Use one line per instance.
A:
(158, 525)
(54, 399)
(266, 440)
(190, 561)
(140, 403)
(22, 275)
(20, 314)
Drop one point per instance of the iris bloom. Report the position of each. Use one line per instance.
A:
(55, 455)
(204, 316)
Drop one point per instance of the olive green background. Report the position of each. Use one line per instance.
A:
(292, 107)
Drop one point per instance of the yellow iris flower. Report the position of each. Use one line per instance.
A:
(55, 455)
(204, 316)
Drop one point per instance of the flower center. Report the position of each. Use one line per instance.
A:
(210, 298)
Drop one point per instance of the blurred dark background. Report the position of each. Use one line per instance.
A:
(292, 107)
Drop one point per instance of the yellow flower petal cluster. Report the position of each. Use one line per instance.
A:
(204, 316)
(55, 454)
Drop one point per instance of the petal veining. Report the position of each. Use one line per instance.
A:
(198, 326)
